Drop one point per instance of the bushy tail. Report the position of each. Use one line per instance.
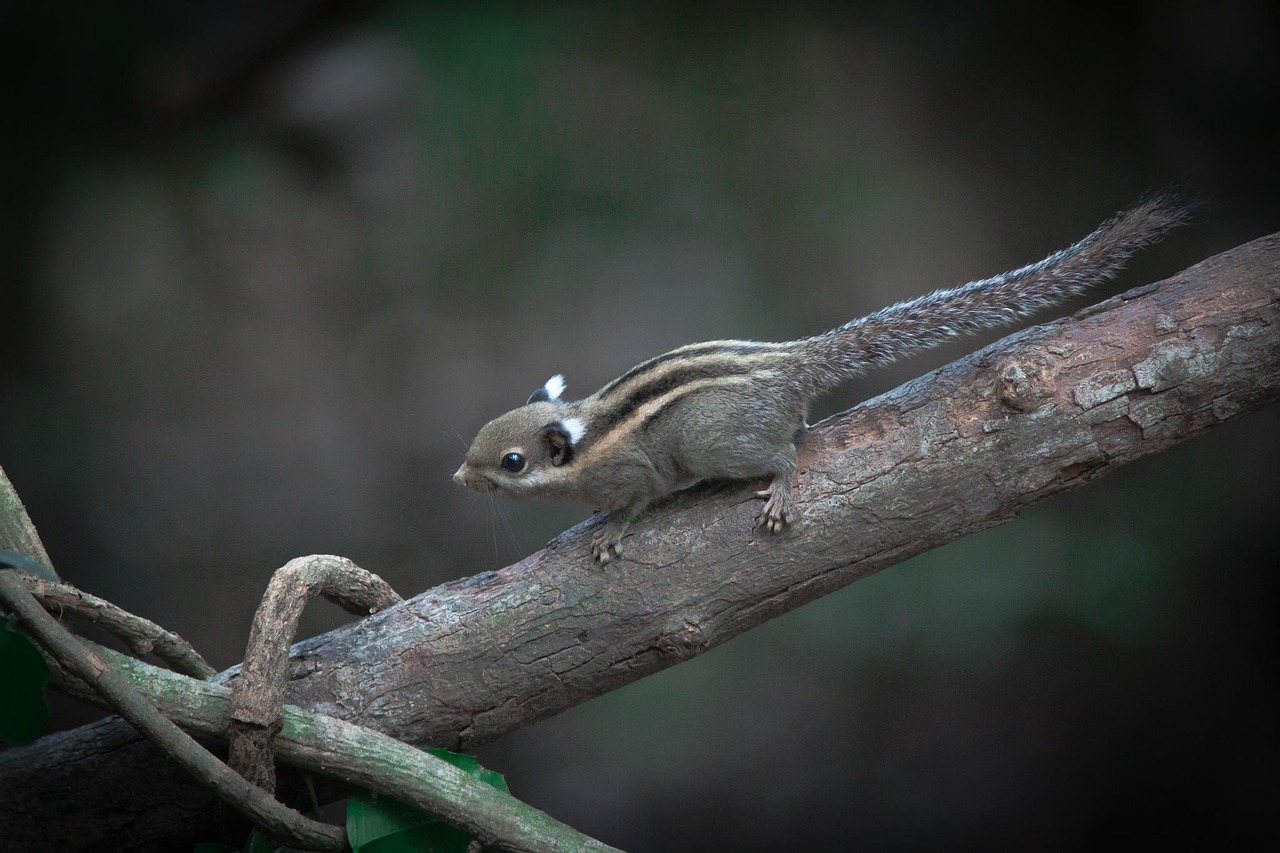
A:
(927, 321)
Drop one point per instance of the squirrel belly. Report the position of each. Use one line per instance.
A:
(734, 410)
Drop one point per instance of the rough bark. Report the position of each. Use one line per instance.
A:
(321, 744)
(961, 449)
(257, 698)
(16, 530)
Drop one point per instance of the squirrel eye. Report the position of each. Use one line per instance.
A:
(513, 462)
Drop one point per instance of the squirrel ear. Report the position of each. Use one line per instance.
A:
(557, 442)
(560, 438)
(550, 392)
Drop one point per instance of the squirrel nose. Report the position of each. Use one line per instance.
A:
(460, 476)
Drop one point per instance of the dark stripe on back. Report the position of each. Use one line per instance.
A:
(736, 348)
(653, 417)
(666, 384)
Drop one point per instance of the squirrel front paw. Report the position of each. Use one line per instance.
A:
(606, 544)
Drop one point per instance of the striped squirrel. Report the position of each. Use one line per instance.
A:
(734, 410)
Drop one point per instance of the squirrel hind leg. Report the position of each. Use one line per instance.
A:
(777, 513)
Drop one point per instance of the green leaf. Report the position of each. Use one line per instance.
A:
(494, 779)
(380, 824)
(23, 674)
(372, 816)
(431, 838)
(468, 764)
(260, 842)
(17, 560)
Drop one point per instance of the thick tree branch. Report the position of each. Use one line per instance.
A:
(961, 449)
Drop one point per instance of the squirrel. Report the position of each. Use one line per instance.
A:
(735, 410)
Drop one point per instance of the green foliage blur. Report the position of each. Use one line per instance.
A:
(377, 824)
(24, 715)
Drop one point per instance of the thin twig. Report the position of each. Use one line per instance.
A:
(142, 636)
(279, 821)
(16, 530)
(257, 696)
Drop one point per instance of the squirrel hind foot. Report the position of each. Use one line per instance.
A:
(777, 514)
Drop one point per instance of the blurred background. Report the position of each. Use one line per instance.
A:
(267, 267)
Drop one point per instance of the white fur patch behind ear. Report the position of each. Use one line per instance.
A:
(576, 429)
(555, 387)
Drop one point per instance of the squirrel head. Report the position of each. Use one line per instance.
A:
(519, 454)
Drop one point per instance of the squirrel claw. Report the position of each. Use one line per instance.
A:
(777, 508)
(605, 546)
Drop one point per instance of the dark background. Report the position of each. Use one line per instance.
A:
(267, 267)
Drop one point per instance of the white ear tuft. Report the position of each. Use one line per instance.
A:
(555, 387)
(576, 429)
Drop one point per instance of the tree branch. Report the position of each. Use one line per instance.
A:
(16, 530)
(323, 744)
(961, 449)
(280, 821)
(142, 636)
(154, 701)
(257, 696)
